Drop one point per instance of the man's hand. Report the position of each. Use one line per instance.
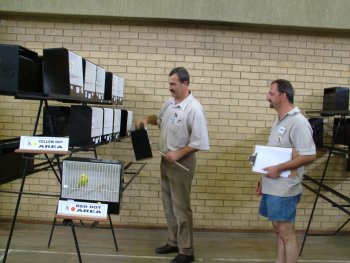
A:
(151, 119)
(258, 188)
(273, 171)
(172, 156)
(141, 123)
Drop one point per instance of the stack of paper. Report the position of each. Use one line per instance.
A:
(268, 156)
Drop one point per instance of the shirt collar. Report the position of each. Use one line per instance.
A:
(293, 111)
(183, 104)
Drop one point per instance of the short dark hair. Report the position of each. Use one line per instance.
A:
(182, 73)
(284, 86)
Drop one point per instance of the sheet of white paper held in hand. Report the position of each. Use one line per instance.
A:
(269, 156)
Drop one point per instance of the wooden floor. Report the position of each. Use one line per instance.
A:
(29, 245)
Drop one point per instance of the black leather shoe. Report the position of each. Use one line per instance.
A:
(182, 258)
(167, 249)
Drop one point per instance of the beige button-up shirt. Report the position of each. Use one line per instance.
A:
(182, 125)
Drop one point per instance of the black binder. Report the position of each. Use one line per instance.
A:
(141, 144)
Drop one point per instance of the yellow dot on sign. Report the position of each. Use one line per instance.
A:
(35, 143)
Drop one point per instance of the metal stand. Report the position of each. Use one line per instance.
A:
(76, 242)
(50, 163)
(113, 234)
(321, 186)
(21, 188)
(70, 221)
(16, 211)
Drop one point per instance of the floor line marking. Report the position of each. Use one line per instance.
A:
(162, 257)
(86, 254)
(3, 255)
(266, 260)
(242, 260)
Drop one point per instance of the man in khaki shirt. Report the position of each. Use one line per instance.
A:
(183, 131)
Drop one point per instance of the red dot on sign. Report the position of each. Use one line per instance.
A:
(73, 209)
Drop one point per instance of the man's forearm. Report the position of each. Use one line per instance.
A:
(152, 119)
(275, 170)
(173, 156)
(297, 162)
(186, 150)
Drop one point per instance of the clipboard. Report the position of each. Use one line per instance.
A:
(265, 156)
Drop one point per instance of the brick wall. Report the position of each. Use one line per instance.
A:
(230, 69)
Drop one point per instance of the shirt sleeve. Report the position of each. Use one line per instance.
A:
(301, 136)
(199, 138)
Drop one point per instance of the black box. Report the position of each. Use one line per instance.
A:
(89, 72)
(123, 124)
(108, 86)
(317, 129)
(100, 84)
(120, 91)
(85, 125)
(20, 71)
(63, 74)
(116, 124)
(115, 87)
(108, 124)
(129, 122)
(141, 144)
(12, 164)
(59, 121)
(336, 99)
(343, 135)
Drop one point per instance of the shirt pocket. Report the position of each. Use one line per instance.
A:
(176, 126)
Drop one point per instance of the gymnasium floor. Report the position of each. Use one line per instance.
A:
(29, 245)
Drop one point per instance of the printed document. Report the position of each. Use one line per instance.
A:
(268, 156)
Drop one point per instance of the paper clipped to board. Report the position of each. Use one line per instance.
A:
(268, 156)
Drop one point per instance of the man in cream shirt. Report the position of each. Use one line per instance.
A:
(183, 131)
